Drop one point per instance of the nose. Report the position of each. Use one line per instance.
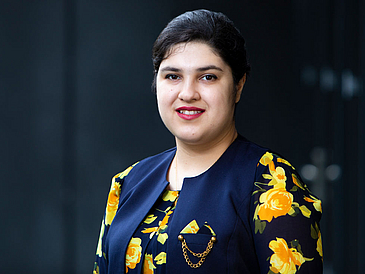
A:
(189, 91)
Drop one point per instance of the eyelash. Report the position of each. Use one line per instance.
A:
(176, 77)
(172, 77)
(211, 76)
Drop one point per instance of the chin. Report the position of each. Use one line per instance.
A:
(189, 138)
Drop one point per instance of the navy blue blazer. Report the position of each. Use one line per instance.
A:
(222, 196)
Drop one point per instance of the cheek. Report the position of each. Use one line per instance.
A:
(159, 94)
(224, 101)
(165, 95)
(159, 103)
(163, 103)
(232, 98)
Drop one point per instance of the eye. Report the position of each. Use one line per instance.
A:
(209, 77)
(172, 77)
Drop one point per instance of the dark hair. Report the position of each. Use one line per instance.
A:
(213, 28)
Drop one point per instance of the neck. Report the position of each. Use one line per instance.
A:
(192, 160)
(197, 154)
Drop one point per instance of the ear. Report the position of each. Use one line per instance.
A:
(239, 88)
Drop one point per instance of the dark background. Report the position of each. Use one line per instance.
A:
(76, 108)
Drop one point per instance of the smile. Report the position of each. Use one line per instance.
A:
(190, 112)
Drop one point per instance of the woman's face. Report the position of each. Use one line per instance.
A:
(196, 94)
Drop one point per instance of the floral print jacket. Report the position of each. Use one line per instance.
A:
(262, 217)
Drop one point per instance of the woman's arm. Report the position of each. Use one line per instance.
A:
(285, 220)
(101, 261)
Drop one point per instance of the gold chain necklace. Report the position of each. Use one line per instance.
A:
(202, 255)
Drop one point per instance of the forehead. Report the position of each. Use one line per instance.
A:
(193, 54)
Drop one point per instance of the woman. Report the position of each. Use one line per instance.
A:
(216, 203)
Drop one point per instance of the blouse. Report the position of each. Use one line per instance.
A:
(249, 213)
(148, 241)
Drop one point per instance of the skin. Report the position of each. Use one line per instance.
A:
(195, 78)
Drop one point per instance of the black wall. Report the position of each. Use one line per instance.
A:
(76, 108)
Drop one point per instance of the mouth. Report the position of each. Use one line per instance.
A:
(189, 113)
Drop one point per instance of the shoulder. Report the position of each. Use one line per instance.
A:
(279, 171)
(277, 179)
(249, 146)
(151, 164)
(246, 154)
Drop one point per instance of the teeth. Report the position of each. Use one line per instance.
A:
(189, 112)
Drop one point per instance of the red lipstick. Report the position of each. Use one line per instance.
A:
(189, 113)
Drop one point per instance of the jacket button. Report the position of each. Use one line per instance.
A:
(180, 238)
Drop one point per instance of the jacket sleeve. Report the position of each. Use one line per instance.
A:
(285, 220)
(101, 261)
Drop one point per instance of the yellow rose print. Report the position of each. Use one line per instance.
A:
(150, 230)
(191, 227)
(281, 160)
(316, 235)
(278, 177)
(162, 237)
(284, 260)
(170, 196)
(319, 245)
(266, 159)
(150, 219)
(162, 225)
(165, 220)
(316, 202)
(114, 194)
(125, 172)
(161, 258)
(133, 255)
(98, 249)
(297, 182)
(275, 202)
(210, 228)
(148, 265)
(96, 269)
(112, 204)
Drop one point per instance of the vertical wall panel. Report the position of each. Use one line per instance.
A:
(76, 108)
(361, 140)
(31, 136)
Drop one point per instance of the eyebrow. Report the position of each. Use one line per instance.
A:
(209, 67)
(168, 68)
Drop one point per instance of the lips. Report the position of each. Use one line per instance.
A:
(189, 113)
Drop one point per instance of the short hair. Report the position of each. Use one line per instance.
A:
(213, 28)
